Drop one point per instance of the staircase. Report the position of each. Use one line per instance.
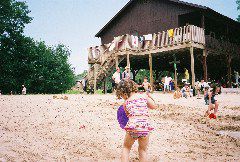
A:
(103, 68)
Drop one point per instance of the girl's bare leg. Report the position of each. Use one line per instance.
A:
(127, 145)
(142, 148)
(216, 107)
(210, 107)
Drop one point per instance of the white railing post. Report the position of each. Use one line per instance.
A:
(163, 39)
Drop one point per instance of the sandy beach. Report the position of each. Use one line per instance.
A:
(84, 128)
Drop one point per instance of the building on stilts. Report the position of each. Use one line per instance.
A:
(146, 34)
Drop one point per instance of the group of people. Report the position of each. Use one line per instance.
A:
(117, 76)
(186, 92)
(126, 75)
(168, 84)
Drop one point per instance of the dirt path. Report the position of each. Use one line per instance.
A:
(84, 128)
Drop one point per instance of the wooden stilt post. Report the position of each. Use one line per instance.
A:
(95, 78)
(229, 71)
(205, 65)
(192, 67)
(150, 68)
(134, 75)
(105, 85)
(116, 61)
(128, 61)
(175, 62)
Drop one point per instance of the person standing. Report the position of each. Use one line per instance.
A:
(116, 78)
(24, 90)
(126, 73)
(236, 77)
(166, 83)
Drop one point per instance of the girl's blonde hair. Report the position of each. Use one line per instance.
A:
(126, 87)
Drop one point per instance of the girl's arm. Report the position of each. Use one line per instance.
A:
(150, 102)
(124, 107)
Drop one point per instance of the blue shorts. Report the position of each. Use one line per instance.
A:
(213, 101)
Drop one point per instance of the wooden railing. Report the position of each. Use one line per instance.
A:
(173, 37)
(186, 34)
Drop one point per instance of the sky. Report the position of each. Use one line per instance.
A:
(75, 22)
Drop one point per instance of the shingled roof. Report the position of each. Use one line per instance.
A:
(200, 7)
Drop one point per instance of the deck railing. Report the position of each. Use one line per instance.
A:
(172, 37)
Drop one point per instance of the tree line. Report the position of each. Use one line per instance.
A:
(24, 61)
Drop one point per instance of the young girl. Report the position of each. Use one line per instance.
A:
(177, 94)
(146, 85)
(210, 100)
(137, 127)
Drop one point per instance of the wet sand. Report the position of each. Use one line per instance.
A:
(84, 128)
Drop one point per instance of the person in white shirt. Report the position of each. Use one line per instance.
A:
(126, 73)
(166, 83)
(116, 78)
(24, 90)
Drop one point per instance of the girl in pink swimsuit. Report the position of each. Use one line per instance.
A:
(137, 127)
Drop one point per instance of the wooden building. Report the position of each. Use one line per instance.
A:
(205, 42)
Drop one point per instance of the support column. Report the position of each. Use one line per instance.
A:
(95, 78)
(105, 85)
(175, 77)
(229, 71)
(205, 65)
(150, 68)
(116, 61)
(192, 67)
(128, 62)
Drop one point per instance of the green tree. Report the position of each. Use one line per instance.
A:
(238, 8)
(13, 18)
(41, 68)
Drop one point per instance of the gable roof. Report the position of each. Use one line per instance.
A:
(174, 1)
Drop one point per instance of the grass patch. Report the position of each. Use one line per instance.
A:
(73, 92)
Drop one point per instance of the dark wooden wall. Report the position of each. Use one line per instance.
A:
(144, 17)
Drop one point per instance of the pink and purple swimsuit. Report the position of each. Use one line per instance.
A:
(138, 123)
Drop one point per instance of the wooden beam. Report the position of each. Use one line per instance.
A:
(95, 78)
(105, 85)
(116, 60)
(150, 68)
(192, 66)
(128, 60)
(229, 60)
(163, 49)
(205, 65)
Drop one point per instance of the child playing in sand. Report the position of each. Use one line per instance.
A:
(177, 94)
(137, 127)
(211, 100)
(146, 85)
